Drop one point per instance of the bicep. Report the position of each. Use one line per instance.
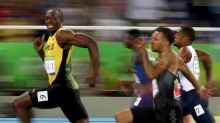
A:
(71, 38)
(202, 55)
(81, 40)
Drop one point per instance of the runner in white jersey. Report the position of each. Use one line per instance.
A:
(190, 98)
(193, 65)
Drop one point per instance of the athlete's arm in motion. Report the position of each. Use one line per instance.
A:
(38, 46)
(204, 93)
(154, 69)
(188, 74)
(205, 58)
(67, 37)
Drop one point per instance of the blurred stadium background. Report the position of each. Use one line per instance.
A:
(22, 69)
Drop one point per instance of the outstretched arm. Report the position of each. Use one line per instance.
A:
(205, 58)
(67, 37)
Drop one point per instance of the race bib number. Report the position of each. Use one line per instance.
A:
(42, 96)
(138, 100)
(49, 65)
(199, 110)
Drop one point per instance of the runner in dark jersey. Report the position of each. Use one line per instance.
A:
(63, 90)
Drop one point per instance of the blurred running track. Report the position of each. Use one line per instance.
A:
(56, 120)
(64, 120)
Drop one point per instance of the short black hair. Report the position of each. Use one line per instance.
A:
(189, 32)
(59, 11)
(167, 32)
(135, 32)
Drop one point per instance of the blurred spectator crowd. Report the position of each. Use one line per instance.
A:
(107, 12)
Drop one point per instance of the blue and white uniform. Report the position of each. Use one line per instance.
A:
(145, 99)
(190, 99)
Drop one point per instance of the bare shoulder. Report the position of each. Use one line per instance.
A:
(169, 55)
(166, 58)
(185, 54)
(64, 35)
(80, 35)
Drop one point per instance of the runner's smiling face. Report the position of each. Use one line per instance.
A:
(53, 21)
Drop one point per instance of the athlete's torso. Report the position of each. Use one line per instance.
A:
(165, 94)
(57, 62)
(193, 65)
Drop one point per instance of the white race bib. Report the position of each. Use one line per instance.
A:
(42, 96)
(199, 110)
(49, 65)
(138, 100)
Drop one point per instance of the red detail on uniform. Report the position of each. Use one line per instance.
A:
(177, 90)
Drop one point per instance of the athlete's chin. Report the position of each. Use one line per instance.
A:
(51, 30)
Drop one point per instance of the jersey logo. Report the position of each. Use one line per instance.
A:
(42, 96)
(50, 46)
(199, 110)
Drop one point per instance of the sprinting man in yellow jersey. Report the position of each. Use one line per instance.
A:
(63, 90)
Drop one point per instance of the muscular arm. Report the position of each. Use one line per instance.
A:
(41, 54)
(92, 46)
(205, 58)
(153, 70)
(38, 46)
(84, 41)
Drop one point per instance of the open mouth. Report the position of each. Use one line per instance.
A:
(49, 26)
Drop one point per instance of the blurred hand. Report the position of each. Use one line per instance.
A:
(39, 44)
(205, 93)
(213, 88)
(92, 81)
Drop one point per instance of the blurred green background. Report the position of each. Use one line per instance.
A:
(21, 68)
